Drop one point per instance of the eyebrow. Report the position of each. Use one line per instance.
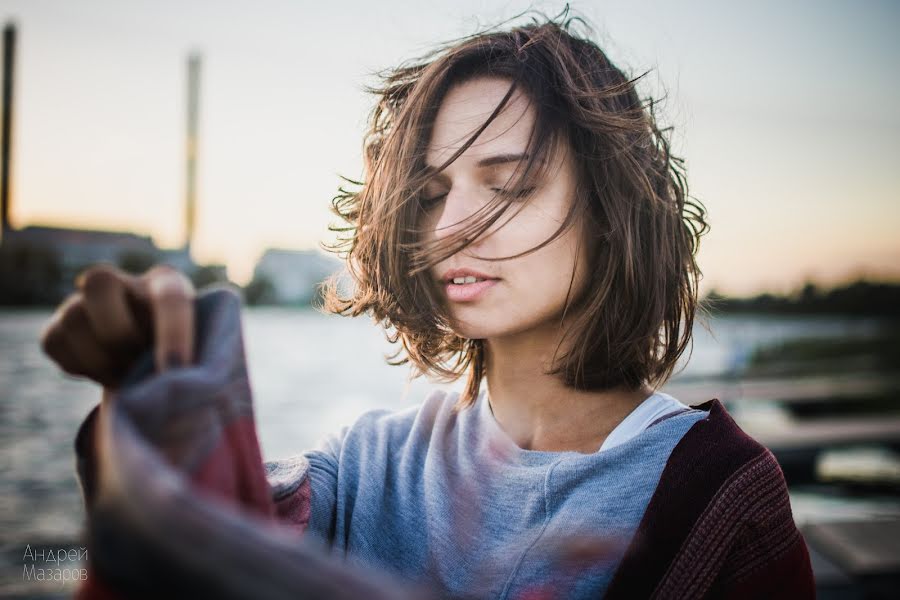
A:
(490, 161)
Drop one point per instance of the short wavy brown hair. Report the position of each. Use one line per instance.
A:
(635, 316)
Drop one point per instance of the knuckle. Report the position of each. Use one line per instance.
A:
(99, 279)
(90, 270)
(167, 284)
(161, 270)
(54, 346)
(157, 269)
(51, 341)
(170, 297)
(57, 321)
(73, 315)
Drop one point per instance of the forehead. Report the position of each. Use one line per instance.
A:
(466, 107)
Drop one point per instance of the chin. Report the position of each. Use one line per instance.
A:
(473, 327)
(483, 326)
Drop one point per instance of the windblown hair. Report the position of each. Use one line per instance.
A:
(635, 315)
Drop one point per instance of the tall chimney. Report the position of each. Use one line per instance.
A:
(9, 51)
(191, 184)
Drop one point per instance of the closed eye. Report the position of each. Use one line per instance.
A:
(429, 202)
(520, 194)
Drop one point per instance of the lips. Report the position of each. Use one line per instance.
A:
(452, 274)
(468, 292)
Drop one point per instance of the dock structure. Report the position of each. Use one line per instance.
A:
(855, 559)
(799, 448)
(764, 408)
(851, 558)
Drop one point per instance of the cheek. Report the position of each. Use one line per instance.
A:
(425, 223)
(526, 230)
(542, 278)
(548, 270)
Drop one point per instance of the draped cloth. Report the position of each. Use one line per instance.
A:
(180, 504)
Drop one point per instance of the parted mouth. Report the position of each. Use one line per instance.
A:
(465, 276)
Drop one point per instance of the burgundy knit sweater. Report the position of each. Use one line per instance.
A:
(179, 503)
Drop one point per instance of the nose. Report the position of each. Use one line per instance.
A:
(457, 207)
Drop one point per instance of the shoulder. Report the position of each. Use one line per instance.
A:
(371, 437)
(416, 420)
(381, 431)
(746, 489)
(736, 479)
(716, 445)
(746, 514)
(720, 489)
(718, 461)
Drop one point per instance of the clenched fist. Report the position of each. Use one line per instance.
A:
(113, 317)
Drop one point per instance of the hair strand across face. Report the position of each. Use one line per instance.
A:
(634, 317)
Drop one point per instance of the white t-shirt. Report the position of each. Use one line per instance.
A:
(641, 417)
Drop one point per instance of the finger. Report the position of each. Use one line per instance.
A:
(113, 321)
(70, 361)
(70, 341)
(98, 364)
(53, 338)
(171, 296)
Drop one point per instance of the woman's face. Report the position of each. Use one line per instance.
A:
(523, 293)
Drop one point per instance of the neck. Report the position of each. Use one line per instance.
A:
(536, 410)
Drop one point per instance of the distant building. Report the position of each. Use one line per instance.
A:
(78, 247)
(81, 246)
(38, 264)
(75, 249)
(294, 274)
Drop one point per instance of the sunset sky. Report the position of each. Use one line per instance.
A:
(788, 115)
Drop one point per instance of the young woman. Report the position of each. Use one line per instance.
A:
(522, 223)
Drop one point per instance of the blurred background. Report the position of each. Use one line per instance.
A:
(212, 136)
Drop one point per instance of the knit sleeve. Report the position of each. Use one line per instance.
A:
(291, 490)
(745, 543)
(323, 480)
(767, 557)
(304, 487)
(779, 566)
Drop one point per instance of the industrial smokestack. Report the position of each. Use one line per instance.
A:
(9, 54)
(193, 101)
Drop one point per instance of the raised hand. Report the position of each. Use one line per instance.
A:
(99, 330)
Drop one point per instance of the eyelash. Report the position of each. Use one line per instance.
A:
(503, 191)
(524, 192)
